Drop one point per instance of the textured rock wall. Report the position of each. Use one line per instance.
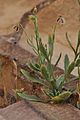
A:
(11, 11)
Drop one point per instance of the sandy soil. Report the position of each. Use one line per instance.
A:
(12, 10)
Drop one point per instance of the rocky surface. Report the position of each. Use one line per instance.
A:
(38, 111)
(12, 11)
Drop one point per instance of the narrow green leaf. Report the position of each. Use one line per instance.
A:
(50, 69)
(78, 43)
(53, 84)
(70, 68)
(34, 67)
(58, 60)
(60, 82)
(41, 58)
(79, 38)
(51, 45)
(77, 62)
(28, 97)
(32, 78)
(66, 62)
(45, 72)
(79, 74)
(61, 97)
(43, 51)
(70, 43)
(36, 29)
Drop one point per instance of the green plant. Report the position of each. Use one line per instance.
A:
(44, 70)
(70, 66)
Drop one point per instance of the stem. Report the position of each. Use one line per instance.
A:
(79, 72)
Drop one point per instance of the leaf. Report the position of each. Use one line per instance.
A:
(58, 60)
(45, 72)
(61, 97)
(32, 78)
(37, 33)
(77, 62)
(36, 29)
(49, 92)
(43, 51)
(31, 44)
(28, 97)
(34, 66)
(50, 69)
(79, 38)
(53, 83)
(41, 58)
(70, 69)
(70, 43)
(79, 74)
(78, 43)
(66, 62)
(60, 82)
(51, 45)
